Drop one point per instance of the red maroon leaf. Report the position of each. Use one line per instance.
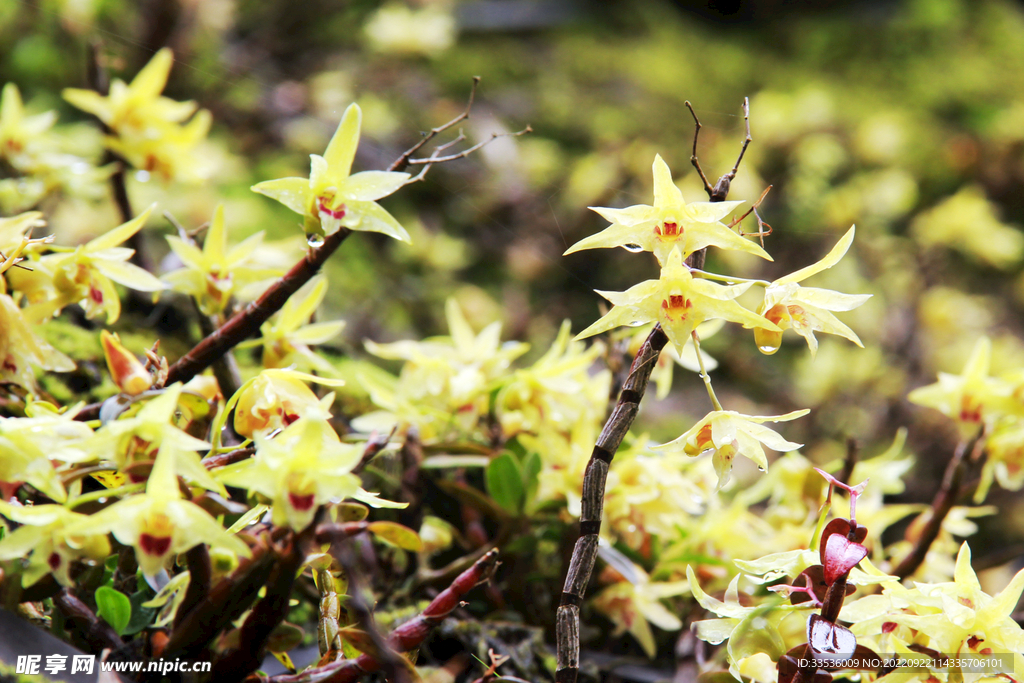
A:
(840, 525)
(832, 644)
(813, 577)
(841, 555)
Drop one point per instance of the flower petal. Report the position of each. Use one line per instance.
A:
(666, 194)
(369, 186)
(616, 235)
(371, 217)
(295, 193)
(831, 258)
(341, 150)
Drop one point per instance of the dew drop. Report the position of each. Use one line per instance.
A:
(637, 323)
(761, 469)
(142, 176)
(767, 349)
(314, 240)
(635, 248)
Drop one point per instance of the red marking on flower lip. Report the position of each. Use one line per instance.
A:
(95, 294)
(333, 213)
(54, 561)
(889, 627)
(670, 230)
(301, 503)
(154, 545)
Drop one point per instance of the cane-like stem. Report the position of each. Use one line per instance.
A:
(584, 554)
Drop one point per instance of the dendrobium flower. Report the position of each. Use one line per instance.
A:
(806, 310)
(211, 275)
(635, 600)
(149, 130)
(287, 337)
(31, 448)
(728, 433)
(22, 351)
(671, 223)
(331, 198)
(274, 399)
(86, 276)
(45, 542)
(19, 132)
(972, 398)
(158, 523)
(303, 467)
(152, 432)
(679, 302)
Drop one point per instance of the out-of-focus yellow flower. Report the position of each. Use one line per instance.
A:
(679, 302)
(333, 198)
(806, 310)
(670, 224)
(287, 337)
(397, 28)
(21, 351)
(445, 382)
(86, 276)
(211, 275)
(636, 600)
(18, 132)
(45, 542)
(972, 398)
(728, 433)
(149, 130)
(158, 523)
(33, 447)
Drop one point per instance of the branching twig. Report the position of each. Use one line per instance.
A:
(585, 552)
(945, 499)
(402, 162)
(428, 162)
(222, 460)
(406, 637)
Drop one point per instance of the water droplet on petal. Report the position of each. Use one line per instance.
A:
(767, 349)
(635, 248)
(637, 323)
(142, 176)
(314, 240)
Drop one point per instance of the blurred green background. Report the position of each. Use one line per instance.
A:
(906, 118)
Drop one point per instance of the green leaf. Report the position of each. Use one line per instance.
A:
(114, 607)
(531, 474)
(505, 482)
(397, 535)
(141, 616)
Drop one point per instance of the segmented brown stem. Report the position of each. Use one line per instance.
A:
(584, 554)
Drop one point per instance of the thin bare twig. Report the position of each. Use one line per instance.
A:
(402, 162)
(428, 162)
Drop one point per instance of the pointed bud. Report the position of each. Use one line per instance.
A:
(125, 369)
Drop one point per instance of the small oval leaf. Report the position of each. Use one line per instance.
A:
(397, 535)
(114, 607)
(505, 482)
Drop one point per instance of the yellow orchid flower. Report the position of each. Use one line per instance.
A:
(86, 276)
(18, 132)
(152, 432)
(679, 302)
(149, 130)
(21, 351)
(636, 600)
(45, 542)
(728, 433)
(31, 448)
(805, 310)
(332, 198)
(971, 398)
(136, 106)
(214, 273)
(958, 617)
(272, 400)
(158, 523)
(669, 224)
(303, 467)
(286, 338)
